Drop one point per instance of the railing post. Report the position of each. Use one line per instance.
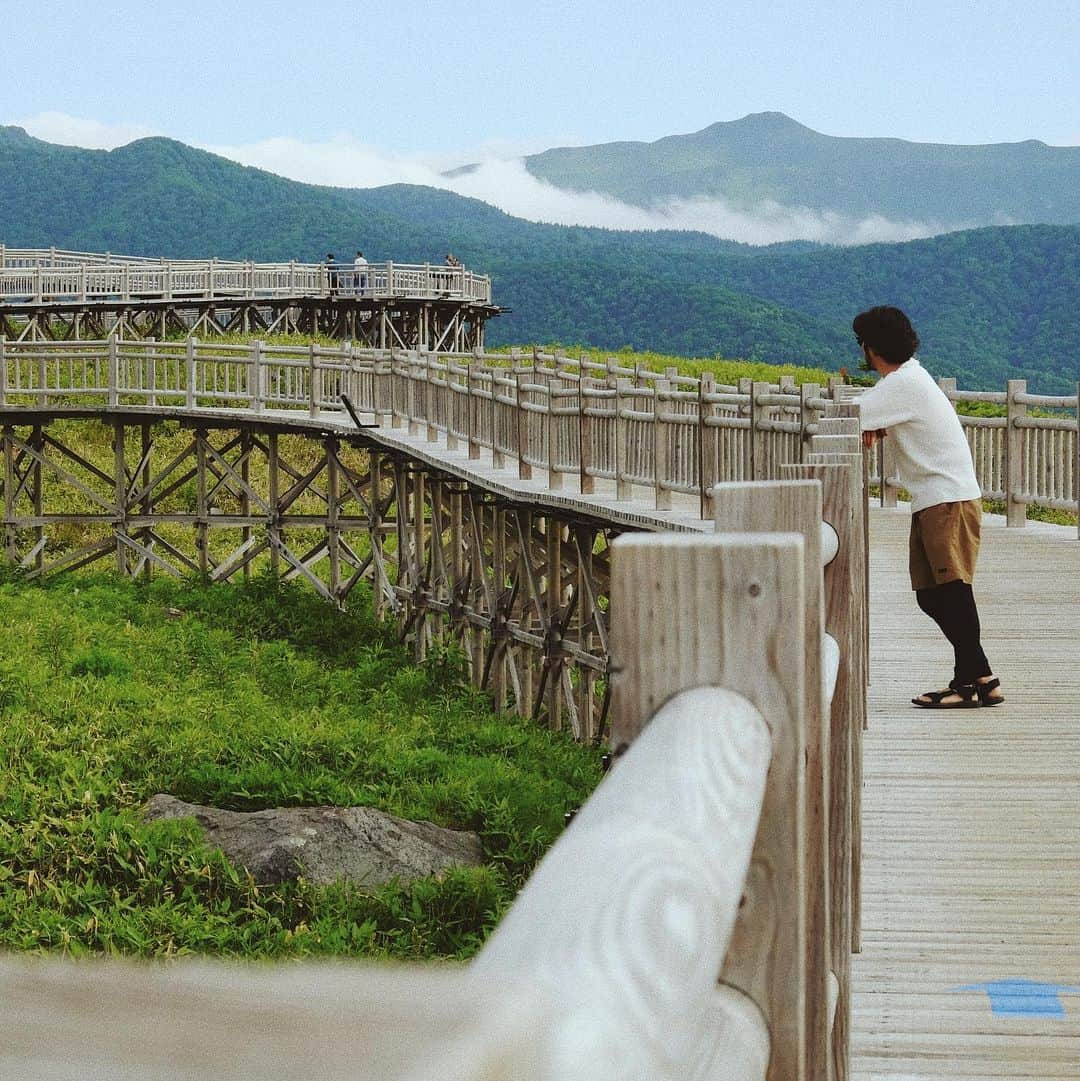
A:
(521, 431)
(759, 438)
(313, 376)
(431, 431)
(256, 386)
(1015, 502)
(114, 371)
(497, 460)
(3, 365)
(551, 434)
(889, 485)
(410, 393)
(730, 610)
(189, 371)
(784, 507)
(746, 386)
(660, 448)
(706, 444)
(623, 488)
(471, 406)
(586, 481)
(807, 392)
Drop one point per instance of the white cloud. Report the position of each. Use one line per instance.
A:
(502, 180)
(78, 131)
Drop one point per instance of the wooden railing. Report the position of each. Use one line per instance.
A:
(73, 277)
(579, 420)
(1020, 458)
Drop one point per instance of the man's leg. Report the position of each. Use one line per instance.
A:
(952, 607)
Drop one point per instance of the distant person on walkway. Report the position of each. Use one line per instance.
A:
(908, 407)
(360, 273)
(331, 273)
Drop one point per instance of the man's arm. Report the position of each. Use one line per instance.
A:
(884, 405)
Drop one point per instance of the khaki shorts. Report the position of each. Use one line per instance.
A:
(945, 543)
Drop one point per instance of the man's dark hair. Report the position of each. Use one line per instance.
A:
(887, 331)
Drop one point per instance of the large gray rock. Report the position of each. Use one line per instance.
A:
(323, 844)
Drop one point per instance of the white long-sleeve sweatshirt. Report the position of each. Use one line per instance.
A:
(932, 454)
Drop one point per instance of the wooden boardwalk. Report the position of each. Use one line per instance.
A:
(971, 865)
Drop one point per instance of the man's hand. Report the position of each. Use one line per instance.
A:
(869, 438)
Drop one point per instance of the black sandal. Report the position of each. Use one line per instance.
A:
(968, 693)
(984, 691)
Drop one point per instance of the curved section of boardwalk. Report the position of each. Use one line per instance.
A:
(971, 818)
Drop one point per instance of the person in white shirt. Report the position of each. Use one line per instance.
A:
(360, 273)
(908, 407)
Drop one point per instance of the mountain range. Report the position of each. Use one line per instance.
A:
(768, 157)
(990, 303)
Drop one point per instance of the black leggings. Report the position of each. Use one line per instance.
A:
(952, 608)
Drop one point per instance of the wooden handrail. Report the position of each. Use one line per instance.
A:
(57, 280)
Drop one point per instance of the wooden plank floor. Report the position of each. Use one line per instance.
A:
(971, 870)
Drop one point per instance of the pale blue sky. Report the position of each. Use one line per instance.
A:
(362, 94)
(443, 76)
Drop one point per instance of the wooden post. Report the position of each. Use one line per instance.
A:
(843, 616)
(889, 480)
(807, 392)
(623, 488)
(431, 431)
(333, 514)
(189, 371)
(202, 506)
(497, 459)
(727, 611)
(313, 370)
(114, 372)
(551, 436)
(1015, 503)
(3, 370)
(759, 437)
(120, 495)
(452, 410)
(256, 376)
(471, 406)
(746, 386)
(273, 521)
(521, 431)
(586, 481)
(660, 447)
(794, 506)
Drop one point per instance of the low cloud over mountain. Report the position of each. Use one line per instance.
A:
(504, 181)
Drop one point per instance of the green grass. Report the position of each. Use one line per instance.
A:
(725, 370)
(253, 696)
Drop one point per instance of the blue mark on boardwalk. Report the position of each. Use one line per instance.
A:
(1023, 998)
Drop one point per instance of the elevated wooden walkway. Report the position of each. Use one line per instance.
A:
(971, 860)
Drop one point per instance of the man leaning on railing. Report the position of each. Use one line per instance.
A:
(934, 461)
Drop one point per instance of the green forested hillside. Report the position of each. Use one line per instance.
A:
(989, 303)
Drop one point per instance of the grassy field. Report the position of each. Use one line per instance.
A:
(245, 697)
